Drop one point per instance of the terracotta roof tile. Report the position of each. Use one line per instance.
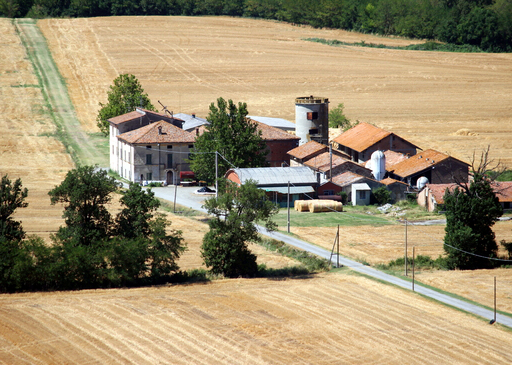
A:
(361, 137)
(393, 158)
(389, 181)
(269, 133)
(419, 162)
(503, 190)
(307, 149)
(150, 134)
(348, 178)
(138, 113)
(322, 162)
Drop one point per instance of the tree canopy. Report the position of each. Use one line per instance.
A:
(123, 97)
(231, 134)
(233, 225)
(12, 197)
(471, 211)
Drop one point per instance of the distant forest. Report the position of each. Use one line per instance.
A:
(486, 24)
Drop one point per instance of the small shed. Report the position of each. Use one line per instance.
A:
(361, 194)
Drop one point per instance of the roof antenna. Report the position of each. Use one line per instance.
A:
(166, 110)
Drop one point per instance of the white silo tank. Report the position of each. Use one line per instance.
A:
(422, 181)
(312, 119)
(378, 165)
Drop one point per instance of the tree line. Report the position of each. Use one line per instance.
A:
(483, 23)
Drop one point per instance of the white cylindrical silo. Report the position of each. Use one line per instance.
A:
(312, 119)
(378, 165)
(421, 182)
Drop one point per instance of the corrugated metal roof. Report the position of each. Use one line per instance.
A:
(268, 176)
(308, 149)
(419, 162)
(274, 122)
(191, 122)
(150, 134)
(361, 137)
(293, 189)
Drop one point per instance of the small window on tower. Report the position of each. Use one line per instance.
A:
(313, 131)
(312, 115)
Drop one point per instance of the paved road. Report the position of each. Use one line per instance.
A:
(185, 196)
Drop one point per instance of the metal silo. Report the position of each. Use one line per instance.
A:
(378, 165)
(312, 119)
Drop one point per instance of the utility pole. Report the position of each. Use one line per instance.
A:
(405, 247)
(216, 175)
(288, 201)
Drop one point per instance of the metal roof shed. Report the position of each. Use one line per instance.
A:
(361, 194)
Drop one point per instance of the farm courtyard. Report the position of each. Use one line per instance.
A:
(456, 103)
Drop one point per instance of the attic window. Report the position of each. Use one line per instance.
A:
(148, 147)
(190, 146)
(312, 115)
(169, 146)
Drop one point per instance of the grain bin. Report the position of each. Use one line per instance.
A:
(312, 119)
(378, 165)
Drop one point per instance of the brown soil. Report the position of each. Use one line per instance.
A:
(188, 62)
(322, 320)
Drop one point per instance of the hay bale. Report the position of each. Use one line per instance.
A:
(316, 206)
(301, 205)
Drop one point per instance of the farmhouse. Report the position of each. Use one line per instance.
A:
(362, 140)
(155, 152)
(277, 180)
(431, 197)
(437, 167)
(278, 144)
(357, 187)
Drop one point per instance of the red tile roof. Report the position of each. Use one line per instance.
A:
(503, 190)
(138, 113)
(419, 162)
(150, 134)
(348, 178)
(393, 158)
(269, 133)
(322, 162)
(361, 137)
(389, 181)
(308, 149)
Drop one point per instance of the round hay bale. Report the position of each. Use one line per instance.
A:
(301, 205)
(316, 206)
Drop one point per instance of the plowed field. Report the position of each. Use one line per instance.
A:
(330, 319)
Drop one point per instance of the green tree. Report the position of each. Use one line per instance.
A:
(139, 206)
(12, 197)
(235, 214)
(233, 135)
(471, 211)
(337, 119)
(123, 97)
(85, 191)
(381, 195)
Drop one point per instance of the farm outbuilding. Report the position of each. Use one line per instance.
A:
(274, 180)
(362, 140)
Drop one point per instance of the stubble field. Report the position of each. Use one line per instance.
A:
(331, 318)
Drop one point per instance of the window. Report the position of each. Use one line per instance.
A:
(148, 147)
(313, 131)
(169, 160)
(149, 176)
(328, 192)
(190, 146)
(312, 115)
(148, 159)
(169, 147)
(362, 194)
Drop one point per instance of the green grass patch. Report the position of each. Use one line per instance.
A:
(427, 46)
(27, 85)
(329, 219)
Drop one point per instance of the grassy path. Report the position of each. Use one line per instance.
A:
(79, 145)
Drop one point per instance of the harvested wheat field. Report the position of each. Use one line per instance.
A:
(453, 102)
(323, 320)
(28, 148)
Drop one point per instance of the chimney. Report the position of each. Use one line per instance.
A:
(160, 130)
(193, 115)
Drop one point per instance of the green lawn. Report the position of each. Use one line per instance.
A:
(329, 219)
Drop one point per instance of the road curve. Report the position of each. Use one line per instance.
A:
(187, 198)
